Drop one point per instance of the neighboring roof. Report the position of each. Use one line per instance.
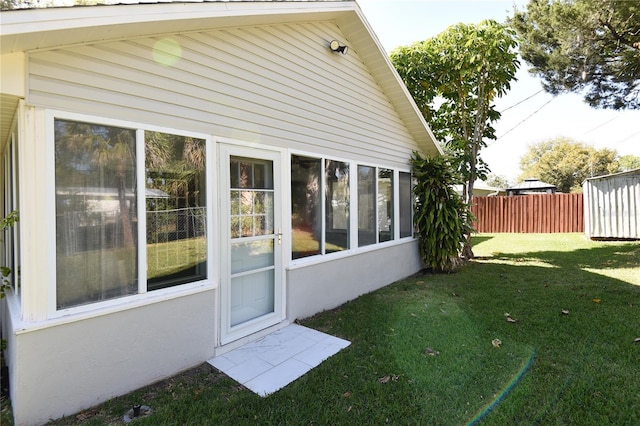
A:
(531, 184)
(25, 30)
(628, 172)
(481, 187)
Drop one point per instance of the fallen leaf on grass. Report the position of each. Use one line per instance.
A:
(496, 343)
(347, 394)
(432, 352)
(86, 414)
(637, 340)
(385, 379)
(597, 300)
(509, 317)
(565, 312)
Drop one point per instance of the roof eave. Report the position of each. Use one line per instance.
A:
(34, 29)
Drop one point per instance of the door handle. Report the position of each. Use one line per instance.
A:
(279, 236)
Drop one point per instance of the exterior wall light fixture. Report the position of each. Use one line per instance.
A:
(337, 47)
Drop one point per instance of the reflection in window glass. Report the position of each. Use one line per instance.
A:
(406, 205)
(96, 222)
(336, 175)
(306, 208)
(176, 209)
(11, 236)
(366, 205)
(385, 205)
(251, 197)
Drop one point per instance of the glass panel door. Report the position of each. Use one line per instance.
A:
(251, 278)
(252, 239)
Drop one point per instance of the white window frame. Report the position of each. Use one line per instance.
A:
(353, 206)
(11, 237)
(142, 297)
(396, 177)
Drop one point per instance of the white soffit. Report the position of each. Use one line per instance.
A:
(37, 29)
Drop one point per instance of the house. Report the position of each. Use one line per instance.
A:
(276, 137)
(531, 186)
(612, 205)
(482, 189)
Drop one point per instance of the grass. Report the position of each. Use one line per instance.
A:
(577, 367)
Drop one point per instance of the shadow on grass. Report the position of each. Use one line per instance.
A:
(617, 256)
(581, 325)
(477, 239)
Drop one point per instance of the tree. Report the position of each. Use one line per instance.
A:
(629, 162)
(584, 46)
(97, 156)
(454, 79)
(566, 163)
(497, 181)
(439, 213)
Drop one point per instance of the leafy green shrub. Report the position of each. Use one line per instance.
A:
(440, 214)
(5, 284)
(8, 221)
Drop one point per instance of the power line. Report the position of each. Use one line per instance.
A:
(627, 138)
(525, 99)
(600, 125)
(528, 117)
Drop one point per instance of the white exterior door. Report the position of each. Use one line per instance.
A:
(251, 246)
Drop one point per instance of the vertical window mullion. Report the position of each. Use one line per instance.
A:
(377, 194)
(323, 205)
(142, 211)
(15, 231)
(395, 196)
(353, 205)
(212, 209)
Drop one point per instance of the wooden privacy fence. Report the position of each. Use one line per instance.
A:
(537, 213)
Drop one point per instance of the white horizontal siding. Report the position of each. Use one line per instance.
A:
(278, 85)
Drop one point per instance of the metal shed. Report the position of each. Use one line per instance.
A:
(612, 205)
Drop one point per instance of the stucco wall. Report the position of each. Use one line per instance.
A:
(315, 288)
(87, 362)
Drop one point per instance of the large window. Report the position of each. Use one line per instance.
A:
(176, 209)
(306, 206)
(406, 204)
(10, 238)
(367, 226)
(336, 187)
(99, 237)
(319, 206)
(322, 203)
(385, 205)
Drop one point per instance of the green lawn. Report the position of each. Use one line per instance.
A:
(422, 350)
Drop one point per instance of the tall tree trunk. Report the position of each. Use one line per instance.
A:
(125, 219)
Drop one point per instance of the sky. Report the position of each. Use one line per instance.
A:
(524, 121)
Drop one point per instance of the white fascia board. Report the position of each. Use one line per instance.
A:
(32, 29)
(377, 60)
